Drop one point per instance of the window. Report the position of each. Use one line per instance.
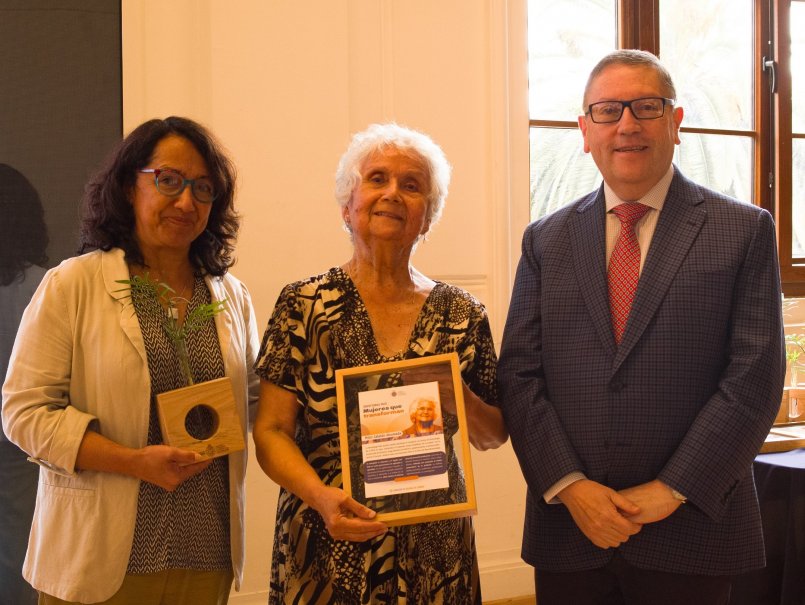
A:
(735, 65)
(562, 50)
(791, 129)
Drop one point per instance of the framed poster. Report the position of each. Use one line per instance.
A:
(404, 445)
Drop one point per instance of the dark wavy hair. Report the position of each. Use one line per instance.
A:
(23, 232)
(108, 217)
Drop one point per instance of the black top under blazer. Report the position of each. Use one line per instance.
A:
(688, 397)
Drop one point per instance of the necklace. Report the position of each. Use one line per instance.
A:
(352, 272)
(385, 349)
(182, 294)
(164, 293)
(391, 322)
(181, 299)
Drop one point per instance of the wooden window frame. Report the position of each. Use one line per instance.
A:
(792, 268)
(772, 179)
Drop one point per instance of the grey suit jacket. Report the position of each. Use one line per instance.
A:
(688, 397)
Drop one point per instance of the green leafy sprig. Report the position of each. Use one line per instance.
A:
(794, 348)
(176, 330)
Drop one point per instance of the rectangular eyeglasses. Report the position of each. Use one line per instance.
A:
(171, 183)
(646, 108)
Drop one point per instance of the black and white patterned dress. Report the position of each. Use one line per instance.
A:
(320, 325)
(187, 528)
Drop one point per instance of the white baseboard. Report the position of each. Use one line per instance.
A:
(504, 575)
(251, 598)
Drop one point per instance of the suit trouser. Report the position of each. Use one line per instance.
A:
(619, 583)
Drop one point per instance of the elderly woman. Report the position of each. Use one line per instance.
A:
(391, 184)
(423, 419)
(120, 517)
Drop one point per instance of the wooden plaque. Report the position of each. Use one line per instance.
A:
(215, 397)
(404, 446)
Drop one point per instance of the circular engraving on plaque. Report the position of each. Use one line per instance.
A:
(201, 422)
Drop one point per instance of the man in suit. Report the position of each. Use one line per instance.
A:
(642, 365)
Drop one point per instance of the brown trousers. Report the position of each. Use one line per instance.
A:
(169, 587)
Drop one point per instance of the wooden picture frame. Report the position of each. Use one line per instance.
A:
(405, 450)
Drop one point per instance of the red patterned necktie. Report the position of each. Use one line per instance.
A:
(624, 266)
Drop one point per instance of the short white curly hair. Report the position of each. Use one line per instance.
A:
(379, 137)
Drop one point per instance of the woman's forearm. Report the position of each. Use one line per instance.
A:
(164, 466)
(283, 462)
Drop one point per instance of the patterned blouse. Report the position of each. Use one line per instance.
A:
(187, 528)
(318, 326)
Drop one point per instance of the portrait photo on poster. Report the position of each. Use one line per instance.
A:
(402, 439)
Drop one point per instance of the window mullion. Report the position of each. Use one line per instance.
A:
(764, 118)
(793, 275)
(639, 24)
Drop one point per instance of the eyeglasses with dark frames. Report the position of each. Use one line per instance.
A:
(645, 108)
(171, 183)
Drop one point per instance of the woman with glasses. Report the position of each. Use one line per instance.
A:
(391, 185)
(122, 518)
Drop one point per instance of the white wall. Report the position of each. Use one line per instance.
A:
(283, 83)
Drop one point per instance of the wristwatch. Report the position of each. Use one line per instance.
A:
(678, 496)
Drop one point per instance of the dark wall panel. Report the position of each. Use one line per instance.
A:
(60, 100)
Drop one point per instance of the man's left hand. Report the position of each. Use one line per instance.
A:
(655, 500)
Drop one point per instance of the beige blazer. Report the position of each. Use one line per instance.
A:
(79, 360)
